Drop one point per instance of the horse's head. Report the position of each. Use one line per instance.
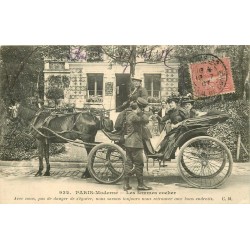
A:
(14, 110)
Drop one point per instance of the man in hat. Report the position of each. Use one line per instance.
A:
(135, 120)
(161, 114)
(138, 90)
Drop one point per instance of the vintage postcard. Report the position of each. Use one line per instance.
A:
(107, 124)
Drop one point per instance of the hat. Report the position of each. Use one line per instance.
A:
(142, 102)
(173, 98)
(136, 78)
(187, 100)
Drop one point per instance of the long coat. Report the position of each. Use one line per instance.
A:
(175, 115)
(134, 129)
(140, 92)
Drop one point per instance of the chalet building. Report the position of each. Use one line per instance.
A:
(99, 83)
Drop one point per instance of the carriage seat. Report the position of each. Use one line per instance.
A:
(148, 147)
(113, 136)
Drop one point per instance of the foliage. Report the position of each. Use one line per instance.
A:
(94, 53)
(239, 58)
(132, 55)
(185, 54)
(58, 80)
(55, 93)
(95, 99)
(154, 100)
(17, 144)
(21, 70)
(237, 124)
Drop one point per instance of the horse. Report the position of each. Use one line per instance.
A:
(45, 126)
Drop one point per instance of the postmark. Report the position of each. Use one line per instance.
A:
(211, 76)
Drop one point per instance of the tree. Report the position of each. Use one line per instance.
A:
(239, 58)
(184, 54)
(21, 70)
(131, 55)
(240, 64)
(21, 76)
(55, 93)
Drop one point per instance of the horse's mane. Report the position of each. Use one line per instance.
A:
(27, 113)
(32, 108)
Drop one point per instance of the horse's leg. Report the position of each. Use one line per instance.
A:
(46, 154)
(86, 173)
(40, 157)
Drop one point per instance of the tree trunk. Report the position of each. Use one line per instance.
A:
(242, 76)
(132, 61)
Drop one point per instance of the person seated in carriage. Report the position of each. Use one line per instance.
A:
(173, 119)
(188, 104)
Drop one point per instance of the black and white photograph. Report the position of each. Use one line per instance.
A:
(125, 124)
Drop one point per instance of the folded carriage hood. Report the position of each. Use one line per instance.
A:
(211, 118)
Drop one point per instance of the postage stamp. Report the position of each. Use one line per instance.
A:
(212, 77)
(124, 124)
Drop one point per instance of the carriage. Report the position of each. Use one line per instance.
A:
(202, 161)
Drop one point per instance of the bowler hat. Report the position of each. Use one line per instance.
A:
(142, 102)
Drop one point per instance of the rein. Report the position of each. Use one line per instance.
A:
(61, 137)
(131, 94)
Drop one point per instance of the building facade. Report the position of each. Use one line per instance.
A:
(99, 83)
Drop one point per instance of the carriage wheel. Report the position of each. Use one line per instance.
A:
(106, 163)
(205, 162)
(193, 171)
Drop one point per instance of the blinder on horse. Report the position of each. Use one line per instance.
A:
(57, 128)
(107, 125)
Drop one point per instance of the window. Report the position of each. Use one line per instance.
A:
(95, 84)
(153, 84)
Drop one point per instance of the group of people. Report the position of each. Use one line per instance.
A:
(133, 121)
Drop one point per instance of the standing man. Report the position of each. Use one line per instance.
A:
(161, 114)
(137, 89)
(135, 120)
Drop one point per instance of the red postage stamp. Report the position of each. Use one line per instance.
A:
(212, 77)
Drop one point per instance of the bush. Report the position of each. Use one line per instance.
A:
(55, 93)
(238, 124)
(17, 144)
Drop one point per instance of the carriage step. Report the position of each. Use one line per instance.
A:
(155, 156)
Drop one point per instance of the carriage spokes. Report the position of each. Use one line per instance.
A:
(205, 162)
